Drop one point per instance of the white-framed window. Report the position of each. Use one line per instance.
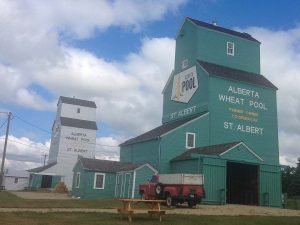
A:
(230, 48)
(190, 140)
(99, 181)
(16, 180)
(78, 110)
(77, 181)
(185, 63)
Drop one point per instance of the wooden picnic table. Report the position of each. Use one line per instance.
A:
(152, 207)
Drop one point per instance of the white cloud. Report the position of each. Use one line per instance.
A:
(23, 153)
(280, 57)
(107, 148)
(34, 48)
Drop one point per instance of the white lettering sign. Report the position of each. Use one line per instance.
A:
(243, 128)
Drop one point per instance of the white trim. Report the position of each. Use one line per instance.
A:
(229, 53)
(116, 185)
(77, 184)
(249, 149)
(119, 185)
(129, 181)
(148, 165)
(95, 178)
(133, 184)
(191, 121)
(182, 23)
(186, 140)
(168, 81)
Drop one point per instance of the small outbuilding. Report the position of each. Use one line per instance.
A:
(97, 178)
(15, 180)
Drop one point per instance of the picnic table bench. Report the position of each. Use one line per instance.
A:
(152, 207)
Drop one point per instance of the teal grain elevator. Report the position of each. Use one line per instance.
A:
(219, 118)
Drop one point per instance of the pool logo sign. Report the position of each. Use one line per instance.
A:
(185, 84)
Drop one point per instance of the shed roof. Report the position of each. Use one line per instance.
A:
(223, 30)
(86, 124)
(107, 165)
(158, 131)
(235, 74)
(76, 101)
(207, 150)
(42, 168)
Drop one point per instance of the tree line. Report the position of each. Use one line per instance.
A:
(291, 180)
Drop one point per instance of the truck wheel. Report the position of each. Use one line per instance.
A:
(158, 189)
(169, 201)
(143, 195)
(192, 204)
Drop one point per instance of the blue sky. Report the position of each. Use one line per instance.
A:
(120, 54)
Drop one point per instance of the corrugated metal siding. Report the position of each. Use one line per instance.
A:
(270, 186)
(214, 171)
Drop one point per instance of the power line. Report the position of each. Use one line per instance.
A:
(29, 145)
(5, 121)
(31, 124)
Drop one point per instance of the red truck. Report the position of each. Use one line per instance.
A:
(174, 188)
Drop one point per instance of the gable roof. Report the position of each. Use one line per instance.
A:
(86, 124)
(107, 165)
(235, 74)
(42, 168)
(223, 30)
(76, 101)
(220, 150)
(207, 150)
(158, 131)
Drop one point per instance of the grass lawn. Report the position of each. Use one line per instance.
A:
(28, 218)
(293, 203)
(8, 200)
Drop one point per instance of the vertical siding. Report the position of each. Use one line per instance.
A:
(185, 166)
(146, 152)
(241, 154)
(55, 181)
(264, 144)
(107, 192)
(78, 192)
(142, 176)
(270, 186)
(36, 181)
(214, 171)
(174, 143)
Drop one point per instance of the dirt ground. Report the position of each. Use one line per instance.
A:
(38, 195)
(228, 210)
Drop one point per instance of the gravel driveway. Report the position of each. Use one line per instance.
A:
(39, 195)
(228, 210)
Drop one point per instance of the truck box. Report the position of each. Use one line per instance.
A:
(179, 178)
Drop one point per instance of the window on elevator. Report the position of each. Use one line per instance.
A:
(230, 48)
(190, 140)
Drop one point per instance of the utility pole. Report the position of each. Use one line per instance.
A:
(45, 156)
(4, 152)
